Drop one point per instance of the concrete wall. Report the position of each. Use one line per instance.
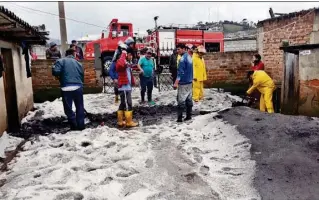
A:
(296, 29)
(228, 67)
(309, 82)
(240, 45)
(23, 84)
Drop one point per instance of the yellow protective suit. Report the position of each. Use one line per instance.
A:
(266, 86)
(199, 71)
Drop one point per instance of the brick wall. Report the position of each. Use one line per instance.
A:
(42, 74)
(296, 28)
(240, 45)
(228, 67)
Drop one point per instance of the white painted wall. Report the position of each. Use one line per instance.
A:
(23, 85)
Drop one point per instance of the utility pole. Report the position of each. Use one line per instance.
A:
(64, 39)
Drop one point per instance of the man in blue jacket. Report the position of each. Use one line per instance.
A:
(71, 76)
(184, 82)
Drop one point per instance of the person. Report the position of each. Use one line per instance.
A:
(200, 75)
(146, 68)
(155, 71)
(257, 63)
(183, 84)
(78, 50)
(71, 76)
(125, 83)
(173, 65)
(265, 85)
(53, 52)
(129, 43)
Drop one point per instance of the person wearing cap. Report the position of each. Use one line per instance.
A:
(184, 84)
(71, 77)
(78, 50)
(265, 85)
(146, 68)
(53, 52)
(200, 75)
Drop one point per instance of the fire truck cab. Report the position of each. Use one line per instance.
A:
(110, 37)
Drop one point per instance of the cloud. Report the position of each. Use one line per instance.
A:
(141, 14)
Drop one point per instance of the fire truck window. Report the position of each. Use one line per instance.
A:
(125, 30)
(212, 47)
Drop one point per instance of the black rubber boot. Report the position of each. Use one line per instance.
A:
(188, 114)
(73, 126)
(179, 115)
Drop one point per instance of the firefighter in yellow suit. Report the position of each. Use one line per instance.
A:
(266, 86)
(199, 71)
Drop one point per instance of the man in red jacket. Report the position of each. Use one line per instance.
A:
(125, 83)
(257, 64)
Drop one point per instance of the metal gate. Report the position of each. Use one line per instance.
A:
(162, 81)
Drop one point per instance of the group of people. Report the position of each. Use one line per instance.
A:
(53, 52)
(188, 71)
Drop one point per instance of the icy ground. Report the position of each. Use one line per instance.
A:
(202, 159)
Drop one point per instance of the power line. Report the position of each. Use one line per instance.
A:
(56, 15)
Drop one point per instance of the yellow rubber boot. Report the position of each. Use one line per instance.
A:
(120, 118)
(129, 119)
(116, 98)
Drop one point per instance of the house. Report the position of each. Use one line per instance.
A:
(295, 28)
(16, 94)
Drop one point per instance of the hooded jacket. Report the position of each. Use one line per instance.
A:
(199, 68)
(121, 65)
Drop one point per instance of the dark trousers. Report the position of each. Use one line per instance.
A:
(76, 96)
(146, 83)
(116, 91)
(126, 100)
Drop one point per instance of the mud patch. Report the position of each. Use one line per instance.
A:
(146, 115)
(286, 150)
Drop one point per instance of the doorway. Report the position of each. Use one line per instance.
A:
(10, 91)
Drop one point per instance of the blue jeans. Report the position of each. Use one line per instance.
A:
(68, 97)
(146, 82)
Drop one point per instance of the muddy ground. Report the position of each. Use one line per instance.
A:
(146, 115)
(286, 150)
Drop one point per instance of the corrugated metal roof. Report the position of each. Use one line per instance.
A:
(13, 28)
(288, 15)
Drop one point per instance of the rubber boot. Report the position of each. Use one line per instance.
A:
(129, 119)
(179, 115)
(73, 126)
(188, 114)
(120, 118)
(116, 98)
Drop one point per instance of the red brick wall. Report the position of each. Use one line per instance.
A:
(275, 31)
(42, 74)
(228, 67)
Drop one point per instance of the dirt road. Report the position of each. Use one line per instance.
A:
(286, 150)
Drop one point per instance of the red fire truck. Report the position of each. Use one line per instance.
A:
(162, 39)
(165, 38)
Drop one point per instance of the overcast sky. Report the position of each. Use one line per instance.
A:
(141, 13)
